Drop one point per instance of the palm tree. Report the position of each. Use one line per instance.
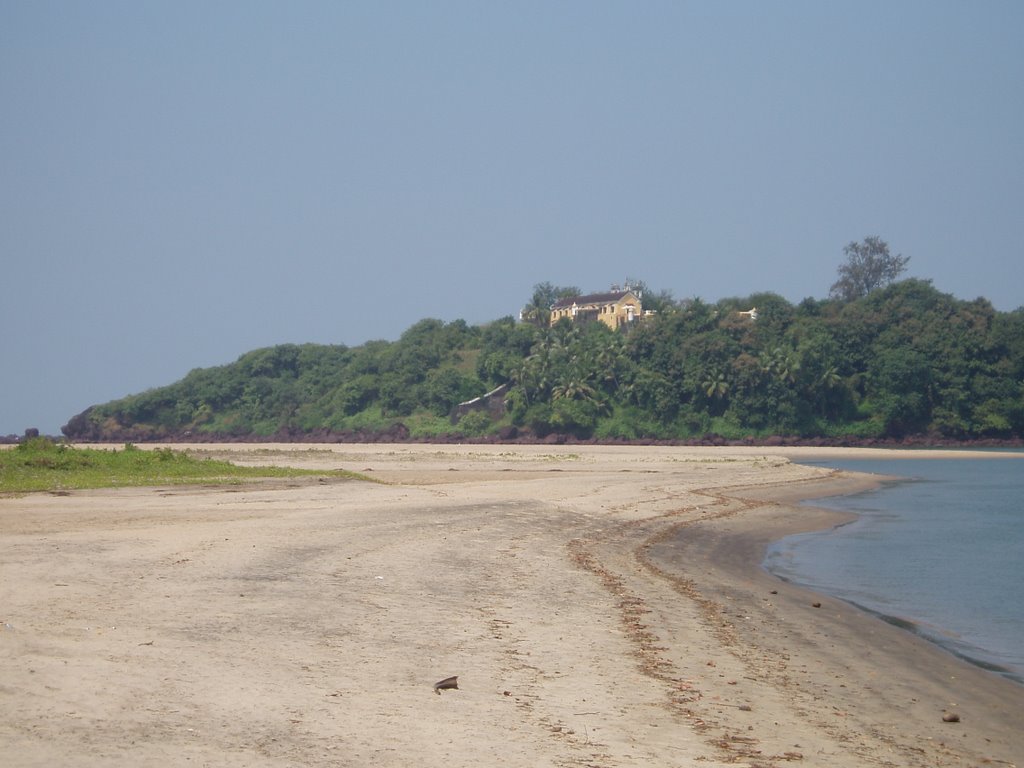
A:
(609, 360)
(781, 363)
(715, 385)
(535, 314)
(574, 388)
(830, 378)
(826, 384)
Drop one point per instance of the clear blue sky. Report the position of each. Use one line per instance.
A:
(182, 182)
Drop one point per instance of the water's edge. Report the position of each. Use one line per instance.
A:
(934, 634)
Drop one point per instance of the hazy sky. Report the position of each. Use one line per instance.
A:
(182, 182)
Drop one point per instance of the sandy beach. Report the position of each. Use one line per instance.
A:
(600, 606)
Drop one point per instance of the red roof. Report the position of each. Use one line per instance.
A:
(591, 298)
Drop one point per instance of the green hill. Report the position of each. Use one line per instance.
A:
(905, 360)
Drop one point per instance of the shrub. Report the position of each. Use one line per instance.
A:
(474, 423)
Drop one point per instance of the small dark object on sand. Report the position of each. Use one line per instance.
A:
(816, 605)
(447, 684)
(951, 717)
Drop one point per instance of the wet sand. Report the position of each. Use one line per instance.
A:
(601, 606)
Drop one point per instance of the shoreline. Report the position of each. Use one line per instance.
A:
(935, 634)
(729, 556)
(601, 606)
(935, 638)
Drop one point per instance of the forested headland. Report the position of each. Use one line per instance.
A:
(881, 359)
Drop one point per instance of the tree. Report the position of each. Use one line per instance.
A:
(504, 346)
(660, 301)
(869, 265)
(538, 310)
(715, 385)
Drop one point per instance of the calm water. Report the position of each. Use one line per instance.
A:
(942, 551)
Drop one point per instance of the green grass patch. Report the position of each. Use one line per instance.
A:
(41, 465)
(425, 425)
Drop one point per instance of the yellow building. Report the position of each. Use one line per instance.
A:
(614, 309)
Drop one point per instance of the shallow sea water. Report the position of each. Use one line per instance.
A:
(940, 552)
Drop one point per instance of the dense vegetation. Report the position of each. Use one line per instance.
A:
(40, 464)
(897, 360)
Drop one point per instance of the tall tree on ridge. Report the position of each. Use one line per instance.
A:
(868, 266)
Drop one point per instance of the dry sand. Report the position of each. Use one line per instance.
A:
(601, 606)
